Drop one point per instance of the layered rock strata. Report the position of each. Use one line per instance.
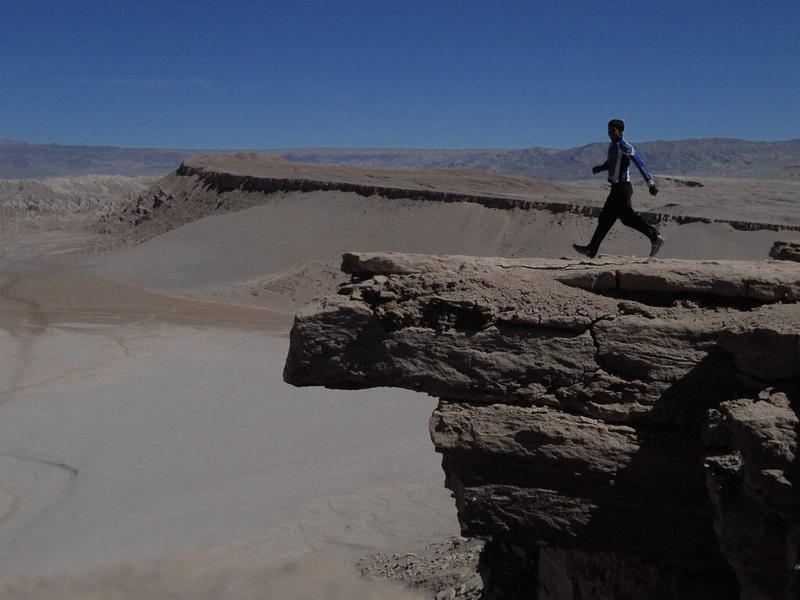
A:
(615, 429)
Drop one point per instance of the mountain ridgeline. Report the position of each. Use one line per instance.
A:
(701, 157)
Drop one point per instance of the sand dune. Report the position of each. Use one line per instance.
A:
(204, 237)
(225, 257)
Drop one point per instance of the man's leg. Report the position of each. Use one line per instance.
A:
(630, 218)
(608, 216)
(605, 221)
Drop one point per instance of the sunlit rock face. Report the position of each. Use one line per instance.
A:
(614, 429)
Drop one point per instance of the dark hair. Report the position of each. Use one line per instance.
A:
(617, 124)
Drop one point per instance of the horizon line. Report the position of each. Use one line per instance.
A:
(17, 141)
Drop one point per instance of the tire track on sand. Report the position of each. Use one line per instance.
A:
(15, 499)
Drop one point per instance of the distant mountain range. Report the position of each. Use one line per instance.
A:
(21, 160)
(700, 157)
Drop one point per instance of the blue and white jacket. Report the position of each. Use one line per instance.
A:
(620, 154)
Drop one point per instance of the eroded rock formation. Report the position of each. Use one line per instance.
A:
(785, 251)
(615, 429)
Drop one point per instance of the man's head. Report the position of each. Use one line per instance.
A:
(615, 129)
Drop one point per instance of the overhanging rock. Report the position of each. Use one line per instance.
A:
(627, 428)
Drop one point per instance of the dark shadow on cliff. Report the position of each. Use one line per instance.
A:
(659, 510)
(793, 475)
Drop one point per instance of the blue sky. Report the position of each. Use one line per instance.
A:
(436, 74)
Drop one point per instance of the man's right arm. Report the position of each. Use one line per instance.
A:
(600, 168)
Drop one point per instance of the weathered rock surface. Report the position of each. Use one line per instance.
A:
(613, 429)
(25, 202)
(752, 481)
(785, 251)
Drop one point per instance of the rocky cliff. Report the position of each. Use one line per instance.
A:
(66, 199)
(615, 429)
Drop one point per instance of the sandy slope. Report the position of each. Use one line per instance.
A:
(235, 255)
(755, 200)
(281, 249)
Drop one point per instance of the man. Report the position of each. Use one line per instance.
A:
(618, 203)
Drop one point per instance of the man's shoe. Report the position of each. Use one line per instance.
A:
(657, 243)
(585, 250)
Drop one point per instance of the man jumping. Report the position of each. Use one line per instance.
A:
(618, 203)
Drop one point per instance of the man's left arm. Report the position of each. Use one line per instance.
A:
(641, 165)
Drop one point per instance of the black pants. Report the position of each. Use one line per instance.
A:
(618, 206)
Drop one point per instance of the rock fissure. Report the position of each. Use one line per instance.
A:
(593, 332)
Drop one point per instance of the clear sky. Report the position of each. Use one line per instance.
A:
(397, 73)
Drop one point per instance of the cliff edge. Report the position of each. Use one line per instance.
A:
(615, 429)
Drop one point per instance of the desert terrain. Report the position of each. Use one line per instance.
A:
(144, 325)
